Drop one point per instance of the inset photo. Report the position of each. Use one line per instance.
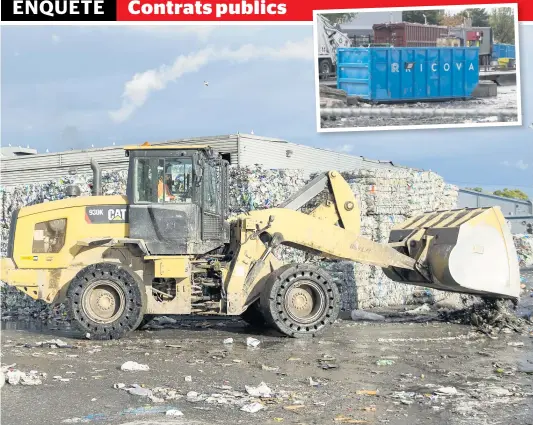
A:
(417, 68)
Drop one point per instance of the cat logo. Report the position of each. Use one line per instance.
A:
(118, 214)
(105, 214)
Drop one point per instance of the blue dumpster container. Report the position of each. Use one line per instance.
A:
(408, 74)
(500, 51)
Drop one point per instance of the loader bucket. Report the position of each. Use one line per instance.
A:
(470, 251)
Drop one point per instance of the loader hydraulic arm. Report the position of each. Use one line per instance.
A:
(330, 229)
(467, 250)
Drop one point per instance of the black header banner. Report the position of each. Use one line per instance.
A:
(59, 10)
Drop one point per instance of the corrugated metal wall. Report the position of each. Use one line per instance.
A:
(509, 207)
(405, 34)
(242, 150)
(306, 158)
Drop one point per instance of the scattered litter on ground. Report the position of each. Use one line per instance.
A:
(313, 383)
(252, 342)
(423, 309)
(361, 315)
(446, 391)
(269, 368)
(228, 341)
(188, 379)
(404, 397)
(174, 412)
(385, 362)
(54, 343)
(294, 407)
(15, 377)
(134, 366)
(489, 317)
(75, 420)
(262, 390)
(136, 389)
(252, 407)
(367, 392)
(347, 420)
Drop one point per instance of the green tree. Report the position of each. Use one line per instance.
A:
(480, 17)
(475, 189)
(339, 18)
(417, 16)
(512, 193)
(502, 22)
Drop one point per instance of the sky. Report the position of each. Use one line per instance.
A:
(82, 86)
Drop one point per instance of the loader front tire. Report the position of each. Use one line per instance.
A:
(300, 301)
(105, 301)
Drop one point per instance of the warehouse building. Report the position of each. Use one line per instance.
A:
(9, 151)
(239, 149)
(518, 212)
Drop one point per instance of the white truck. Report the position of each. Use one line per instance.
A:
(329, 39)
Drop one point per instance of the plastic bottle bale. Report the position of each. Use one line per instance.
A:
(524, 249)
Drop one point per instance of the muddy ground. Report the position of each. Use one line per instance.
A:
(429, 372)
(506, 99)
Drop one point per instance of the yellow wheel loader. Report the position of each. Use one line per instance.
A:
(168, 248)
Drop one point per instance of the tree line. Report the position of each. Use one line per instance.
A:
(506, 193)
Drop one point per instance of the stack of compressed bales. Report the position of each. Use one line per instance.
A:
(524, 250)
(386, 197)
(113, 183)
(255, 188)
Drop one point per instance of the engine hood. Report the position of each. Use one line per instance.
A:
(80, 201)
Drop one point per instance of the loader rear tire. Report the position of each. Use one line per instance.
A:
(300, 301)
(105, 301)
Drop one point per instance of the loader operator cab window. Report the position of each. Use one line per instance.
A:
(175, 180)
(163, 180)
(210, 189)
(143, 180)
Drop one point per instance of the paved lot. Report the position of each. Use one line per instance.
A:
(328, 376)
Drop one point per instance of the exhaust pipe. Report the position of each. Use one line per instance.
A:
(97, 178)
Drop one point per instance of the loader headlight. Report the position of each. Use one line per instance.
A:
(49, 236)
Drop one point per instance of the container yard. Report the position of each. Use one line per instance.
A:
(452, 70)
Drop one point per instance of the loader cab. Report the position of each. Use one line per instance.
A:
(178, 199)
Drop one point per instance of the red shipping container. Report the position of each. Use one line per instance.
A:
(406, 34)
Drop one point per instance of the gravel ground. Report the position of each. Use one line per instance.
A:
(412, 371)
(407, 369)
(506, 99)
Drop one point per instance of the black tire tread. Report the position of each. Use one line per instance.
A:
(132, 315)
(284, 276)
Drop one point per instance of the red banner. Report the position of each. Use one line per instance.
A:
(266, 10)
